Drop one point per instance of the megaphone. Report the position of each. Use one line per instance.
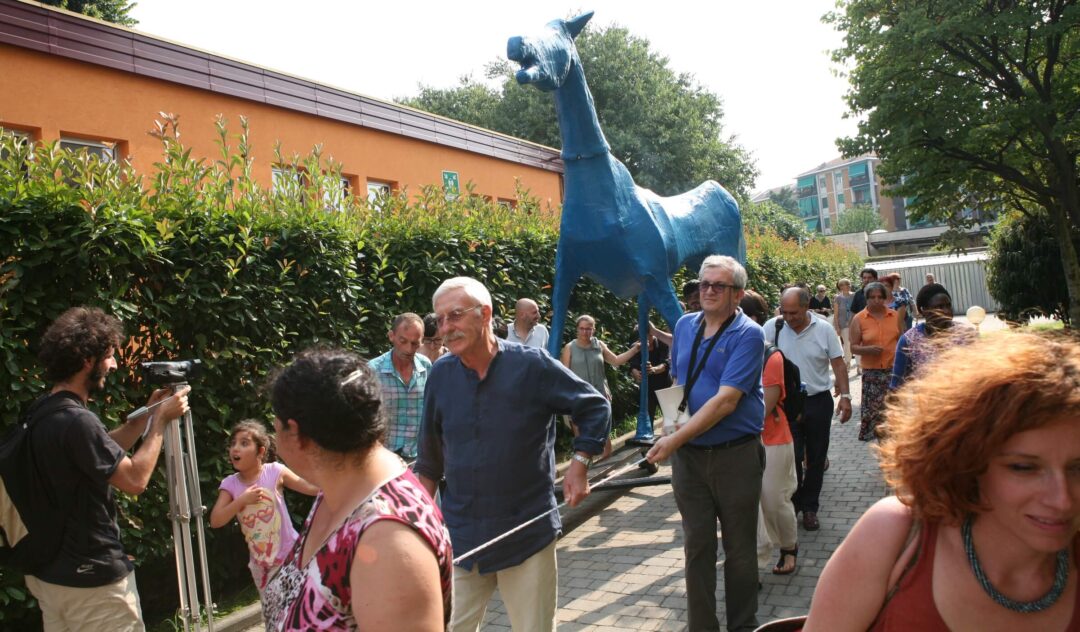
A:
(670, 399)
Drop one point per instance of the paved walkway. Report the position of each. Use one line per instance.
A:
(621, 560)
(621, 568)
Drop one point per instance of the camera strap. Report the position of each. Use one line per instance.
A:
(695, 372)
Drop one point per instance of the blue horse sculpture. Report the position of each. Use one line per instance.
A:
(628, 239)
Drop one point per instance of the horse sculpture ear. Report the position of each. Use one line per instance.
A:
(576, 25)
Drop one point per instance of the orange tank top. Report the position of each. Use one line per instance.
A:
(882, 333)
(912, 607)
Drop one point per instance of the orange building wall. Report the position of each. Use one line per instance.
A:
(54, 96)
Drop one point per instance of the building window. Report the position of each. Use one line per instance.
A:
(22, 138)
(105, 152)
(806, 188)
(858, 175)
(822, 183)
(337, 194)
(838, 182)
(378, 188)
(285, 179)
(825, 203)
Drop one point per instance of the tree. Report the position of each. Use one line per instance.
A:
(764, 217)
(1024, 272)
(109, 10)
(784, 197)
(664, 126)
(970, 104)
(858, 219)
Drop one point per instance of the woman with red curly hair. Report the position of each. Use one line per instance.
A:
(983, 450)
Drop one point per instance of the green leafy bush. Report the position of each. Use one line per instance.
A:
(201, 262)
(1024, 272)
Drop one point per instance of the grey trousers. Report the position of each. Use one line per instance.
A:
(725, 485)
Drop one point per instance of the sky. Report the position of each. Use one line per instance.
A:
(767, 60)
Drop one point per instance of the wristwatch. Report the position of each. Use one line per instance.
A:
(584, 460)
(845, 395)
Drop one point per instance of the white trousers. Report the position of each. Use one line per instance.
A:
(777, 526)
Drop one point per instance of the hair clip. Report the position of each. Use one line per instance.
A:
(352, 377)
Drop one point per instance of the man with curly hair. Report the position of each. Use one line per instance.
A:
(90, 582)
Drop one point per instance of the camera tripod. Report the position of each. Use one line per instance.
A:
(185, 503)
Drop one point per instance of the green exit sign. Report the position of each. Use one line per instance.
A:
(450, 184)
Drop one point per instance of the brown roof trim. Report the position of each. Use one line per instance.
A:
(58, 32)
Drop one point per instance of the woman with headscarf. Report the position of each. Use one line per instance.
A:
(916, 346)
(874, 332)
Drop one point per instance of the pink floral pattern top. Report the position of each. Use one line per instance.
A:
(319, 596)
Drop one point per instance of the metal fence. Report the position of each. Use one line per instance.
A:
(964, 276)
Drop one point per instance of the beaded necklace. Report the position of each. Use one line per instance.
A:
(1061, 577)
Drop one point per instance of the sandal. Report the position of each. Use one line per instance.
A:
(784, 554)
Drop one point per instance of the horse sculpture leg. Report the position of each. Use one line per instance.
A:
(644, 420)
(566, 276)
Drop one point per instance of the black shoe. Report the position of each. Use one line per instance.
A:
(810, 521)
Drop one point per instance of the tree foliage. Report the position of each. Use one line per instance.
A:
(857, 219)
(117, 11)
(664, 126)
(1024, 273)
(971, 105)
(785, 198)
(767, 217)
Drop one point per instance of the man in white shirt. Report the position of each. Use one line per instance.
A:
(526, 328)
(812, 344)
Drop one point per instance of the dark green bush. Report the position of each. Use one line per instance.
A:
(203, 263)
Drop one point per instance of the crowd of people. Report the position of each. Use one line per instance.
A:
(432, 464)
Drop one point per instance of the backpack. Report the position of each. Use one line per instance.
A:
(31, 520)
(794, 395)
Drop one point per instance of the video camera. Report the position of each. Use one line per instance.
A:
(175, 372)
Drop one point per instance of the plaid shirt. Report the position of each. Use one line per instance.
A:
(403, 403)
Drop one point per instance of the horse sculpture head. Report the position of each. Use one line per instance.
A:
(546, 59)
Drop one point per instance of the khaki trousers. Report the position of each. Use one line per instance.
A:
(114, 607)
(529, 591)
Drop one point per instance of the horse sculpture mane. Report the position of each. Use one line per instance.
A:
(629, 239)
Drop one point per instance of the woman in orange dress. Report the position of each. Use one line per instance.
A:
(874, 333)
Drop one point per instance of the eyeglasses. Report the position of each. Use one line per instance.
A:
(431, 341)
(718, 287)
(455, 315)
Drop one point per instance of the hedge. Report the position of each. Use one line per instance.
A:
(200, 262)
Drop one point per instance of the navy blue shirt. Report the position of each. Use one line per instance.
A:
(494, 441)
(735, 361)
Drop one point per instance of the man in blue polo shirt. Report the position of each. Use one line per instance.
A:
(717, 455)
(489, 427)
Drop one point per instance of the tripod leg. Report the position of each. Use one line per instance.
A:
(198, 511)
(173, 474)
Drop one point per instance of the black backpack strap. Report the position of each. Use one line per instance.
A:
(779, 326)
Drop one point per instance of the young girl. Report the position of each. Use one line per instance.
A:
(254, 496)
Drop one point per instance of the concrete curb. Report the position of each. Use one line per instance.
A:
(242, 619)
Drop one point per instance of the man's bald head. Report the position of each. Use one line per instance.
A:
(794, 303)
(526, 312)
(800, 294)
